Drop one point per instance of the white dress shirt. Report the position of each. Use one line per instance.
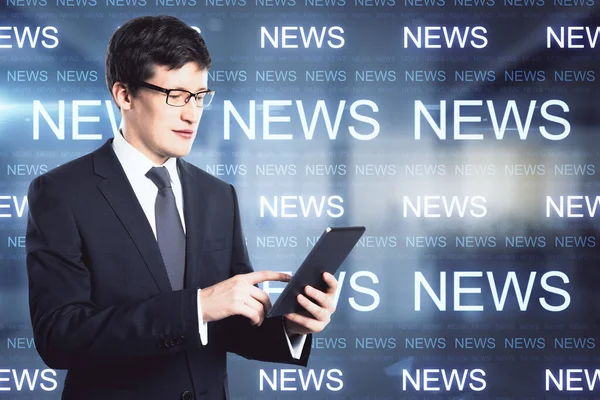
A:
(136, 165)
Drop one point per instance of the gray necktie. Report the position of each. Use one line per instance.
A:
(169, 231)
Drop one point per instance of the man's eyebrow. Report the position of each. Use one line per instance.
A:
(193, 91)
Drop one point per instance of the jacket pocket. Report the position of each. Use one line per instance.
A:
(215, 245)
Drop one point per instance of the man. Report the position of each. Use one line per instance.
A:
(139, 278)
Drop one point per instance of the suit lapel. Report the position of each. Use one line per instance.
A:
(194, 205)
(121, 197)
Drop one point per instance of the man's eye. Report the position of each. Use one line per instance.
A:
(175, 96)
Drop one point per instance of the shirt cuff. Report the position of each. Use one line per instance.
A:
(203, 326)
(296, 344)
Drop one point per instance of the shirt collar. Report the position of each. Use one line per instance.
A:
(137, 164)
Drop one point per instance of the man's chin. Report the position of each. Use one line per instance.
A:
(181, 151)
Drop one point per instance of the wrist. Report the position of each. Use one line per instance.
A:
(202, 294)
(290, 329)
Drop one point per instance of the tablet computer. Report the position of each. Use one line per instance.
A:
(327, 255)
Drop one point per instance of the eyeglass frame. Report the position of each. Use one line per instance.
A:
(167, 91)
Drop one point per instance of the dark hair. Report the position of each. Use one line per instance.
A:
(145, 42)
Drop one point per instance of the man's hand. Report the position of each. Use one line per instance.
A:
(320, 309)
(239, 296)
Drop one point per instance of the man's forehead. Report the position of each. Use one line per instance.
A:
(189, 74)
(188, 67)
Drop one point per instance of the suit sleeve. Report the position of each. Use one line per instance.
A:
(69, 329)
(265, 343)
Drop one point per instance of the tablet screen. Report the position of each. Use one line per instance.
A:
(327, 255)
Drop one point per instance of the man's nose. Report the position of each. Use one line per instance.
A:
(190, 112)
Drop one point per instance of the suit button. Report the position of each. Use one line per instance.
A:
(187, 395)
(167, 344)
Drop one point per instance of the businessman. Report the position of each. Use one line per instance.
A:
(139, 278)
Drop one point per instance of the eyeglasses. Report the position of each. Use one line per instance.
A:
(180, 97)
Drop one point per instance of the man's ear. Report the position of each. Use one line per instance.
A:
(122, 95)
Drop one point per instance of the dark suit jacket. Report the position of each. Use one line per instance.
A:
(100, 298)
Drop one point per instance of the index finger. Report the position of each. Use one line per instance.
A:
(262, 276)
